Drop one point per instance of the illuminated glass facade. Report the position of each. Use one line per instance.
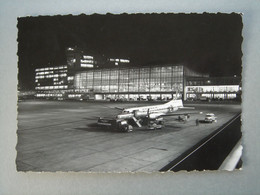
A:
(132, 83)
(132, 80)
(213, 88)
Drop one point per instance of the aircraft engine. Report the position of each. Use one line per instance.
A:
(139, 114)
(125, 116)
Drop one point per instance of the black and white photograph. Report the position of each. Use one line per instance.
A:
(157, 92)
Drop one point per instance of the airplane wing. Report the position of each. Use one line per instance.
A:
(118, 108)
(92, 118)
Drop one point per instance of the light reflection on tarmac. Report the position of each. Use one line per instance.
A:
(63, 136)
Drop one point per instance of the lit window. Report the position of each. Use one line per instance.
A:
(87, 65)
(70, 78)
(124, 61)
(116, 63)
(87, 57)
(86, 61)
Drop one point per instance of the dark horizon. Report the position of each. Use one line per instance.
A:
(208, 43)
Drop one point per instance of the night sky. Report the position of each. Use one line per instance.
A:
(208, 43)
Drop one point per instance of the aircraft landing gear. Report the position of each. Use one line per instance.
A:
(129, 128)
(126, 128)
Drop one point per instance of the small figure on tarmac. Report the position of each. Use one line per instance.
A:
(197, 122)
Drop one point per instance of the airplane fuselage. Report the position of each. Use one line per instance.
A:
(151, 111)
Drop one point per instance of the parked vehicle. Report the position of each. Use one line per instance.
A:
(210, 117)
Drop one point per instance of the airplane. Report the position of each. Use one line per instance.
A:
(150, 116)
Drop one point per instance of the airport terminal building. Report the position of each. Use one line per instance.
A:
(134, 83)
(86, 77)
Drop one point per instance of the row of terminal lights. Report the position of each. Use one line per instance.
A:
(51, 76)
(53, 87)
(51, 68)
(48, 95)
(50, 72)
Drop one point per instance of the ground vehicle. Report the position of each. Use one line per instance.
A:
(210, 117)
(117, 124)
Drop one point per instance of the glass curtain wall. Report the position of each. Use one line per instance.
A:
(89, 80)
(113, 81)
(166, 78)
(132, 80)
(105, 81)
(155, 79)
(123, 80)
(177, 78)
(97, 81)
(144, 77)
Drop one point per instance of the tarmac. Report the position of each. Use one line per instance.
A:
(63, 136)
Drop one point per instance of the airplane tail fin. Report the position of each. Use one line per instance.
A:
(177, 104)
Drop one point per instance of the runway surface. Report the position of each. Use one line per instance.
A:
(63, 136)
